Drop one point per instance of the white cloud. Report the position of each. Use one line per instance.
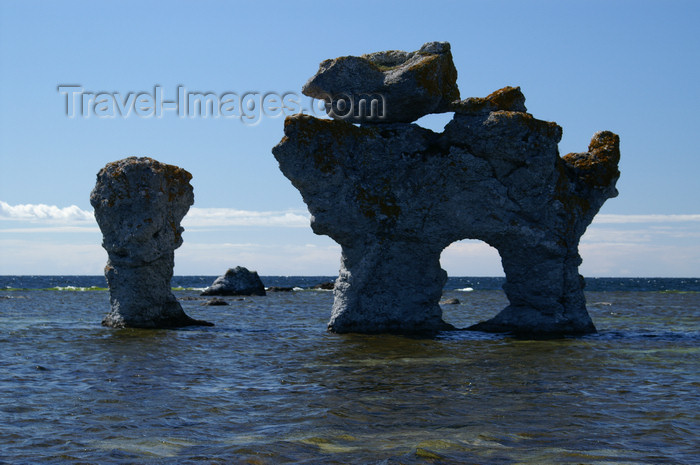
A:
(52, 229)
(639, 235)
(615, 245)
(220, 217)
(616, 236)
(195, 218)
(628, 219)
(41, 212)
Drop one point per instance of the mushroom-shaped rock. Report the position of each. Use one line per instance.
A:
(387, 87)
(139, 203)
(395, 195)
(236, 281)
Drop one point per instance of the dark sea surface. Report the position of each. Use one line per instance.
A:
(269, 385)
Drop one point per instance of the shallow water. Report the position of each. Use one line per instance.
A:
(269, 385)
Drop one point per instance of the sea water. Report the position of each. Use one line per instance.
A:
(269, 385)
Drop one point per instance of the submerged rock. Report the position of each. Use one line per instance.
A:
(403, 85)
(236, 281)
(279, 289)
(139, 203)
(327, 286)
(395, 195)
(215, 302)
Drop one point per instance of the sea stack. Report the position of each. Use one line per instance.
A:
(139, 203)
(394, 195)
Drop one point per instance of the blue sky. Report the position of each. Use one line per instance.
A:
(632, 67)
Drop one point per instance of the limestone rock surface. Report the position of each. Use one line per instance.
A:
(236, 281)
(139, 204)
(404, 85)
(395, 195)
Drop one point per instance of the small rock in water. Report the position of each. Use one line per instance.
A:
(452, 301)
(328, 286)
(279, 289)
(236, 281)
(215, 301)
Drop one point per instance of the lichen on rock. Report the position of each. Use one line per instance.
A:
(139, 204)
(394, 195)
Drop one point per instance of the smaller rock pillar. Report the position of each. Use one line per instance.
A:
(139, 203)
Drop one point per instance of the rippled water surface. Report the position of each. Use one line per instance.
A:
(269, 385)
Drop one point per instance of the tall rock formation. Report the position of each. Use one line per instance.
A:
(139, 203)
(394, 195)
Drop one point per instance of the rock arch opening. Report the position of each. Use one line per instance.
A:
(473, 268)
(435, 122)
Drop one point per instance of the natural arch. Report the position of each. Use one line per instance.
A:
(394, 195)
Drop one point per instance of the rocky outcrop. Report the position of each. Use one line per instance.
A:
(403, 86)
(236, 281)
(139, 203)
(395, 195)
